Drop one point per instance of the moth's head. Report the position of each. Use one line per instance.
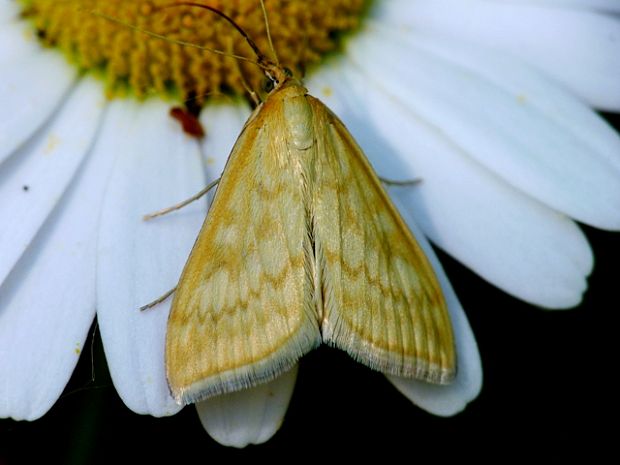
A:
(275, 76)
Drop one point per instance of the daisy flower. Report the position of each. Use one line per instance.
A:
(488, 103)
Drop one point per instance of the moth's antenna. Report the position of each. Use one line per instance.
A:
(268, 30)
(262, 61)
(272, 70)
(173, 41)
(253, 95)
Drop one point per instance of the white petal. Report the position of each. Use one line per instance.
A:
(45, 168)
(569, 114)
(16, 40)
(508, 238)
(250, 416)
(156, 166)
(601, 5)
(9, 11)
(28, 100)
(223, 123)
(450, 399)
(578, 48)
(512, 132)
(48, 302)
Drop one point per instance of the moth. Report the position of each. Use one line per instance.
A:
(301, 246)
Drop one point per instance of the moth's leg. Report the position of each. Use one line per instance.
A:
(253, 95)
(392, 182)
(163, 212)
(158, 300)
(180, 205)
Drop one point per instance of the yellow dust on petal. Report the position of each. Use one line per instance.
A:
(135, 63)
(52, 142)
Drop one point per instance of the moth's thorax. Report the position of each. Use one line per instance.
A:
(297, 119)
(294, 86)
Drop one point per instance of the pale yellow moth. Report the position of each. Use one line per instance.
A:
(301, 245)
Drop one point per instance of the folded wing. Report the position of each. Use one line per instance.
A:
(381, 300)
(243, 311)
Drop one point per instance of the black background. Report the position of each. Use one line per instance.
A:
(548, 392)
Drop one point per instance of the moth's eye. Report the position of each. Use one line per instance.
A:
(288, 72)
(268, 84)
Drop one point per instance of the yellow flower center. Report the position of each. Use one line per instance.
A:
(133, 62)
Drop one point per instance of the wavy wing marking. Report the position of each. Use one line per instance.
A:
(243, 311)
(381, 300)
